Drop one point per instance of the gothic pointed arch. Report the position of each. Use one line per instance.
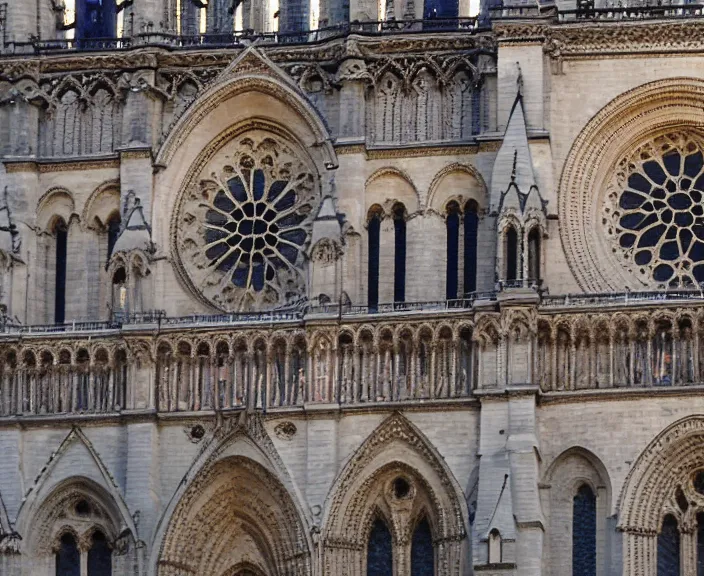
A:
(236, 506)
(655, 487)
(59, 473)
(397, 473)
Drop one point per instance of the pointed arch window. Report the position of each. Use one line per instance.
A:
(471, 226)
(669, 548)
(534, 255)
(399, 214)
(584, 532)
(99, 556)
(96, 18)
(379, 550)
(61, 241)
(511, 254)
(113, 233)
(453, 238)
(68, 558)
(373, 242)
(422, 552)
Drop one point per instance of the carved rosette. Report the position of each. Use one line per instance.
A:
(653, 213)
(245, 220)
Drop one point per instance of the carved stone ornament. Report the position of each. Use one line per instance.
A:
(244, 222)
(654, 210)
(285, 430)
(326, 252)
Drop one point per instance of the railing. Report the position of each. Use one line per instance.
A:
(621, 298)
(242, 37)
(634, 11)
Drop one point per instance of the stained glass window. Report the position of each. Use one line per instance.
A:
(656, 216)
(584, 532)
(379, 550)
(68, 559)
(422, 553)
(399, 253)
(373, 232)
(99, 557)
(511, 254)
(669, 548)
(453, 233)
(61, 236)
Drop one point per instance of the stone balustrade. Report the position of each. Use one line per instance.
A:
(415, 353)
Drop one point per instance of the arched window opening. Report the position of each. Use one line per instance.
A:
(99, 556)
(113, 233)
(68, 559)
(61, 238)
(669, 548)
(96, 19)
(433, 9)
(453, 239)
(373, 241)
(471, 225)
(511, 254)
(584, 532)
(379, 550)
(534, 255)
(422, 552)
(494, 547)
(399, 213)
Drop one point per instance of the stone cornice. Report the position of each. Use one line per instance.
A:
(585, 40)
(152, 58)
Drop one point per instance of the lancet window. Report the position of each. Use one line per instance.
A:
(399, 215)
(453, 236)
(422, 552)
(61, 243)
(584, 532)
(379, 550)
(471, 227)
(373, 242)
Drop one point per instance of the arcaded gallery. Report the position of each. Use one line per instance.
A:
(351, 288)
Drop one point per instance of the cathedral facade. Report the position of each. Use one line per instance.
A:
(347, 288)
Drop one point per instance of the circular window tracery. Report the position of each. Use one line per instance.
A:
(654, 214)
(245, 222)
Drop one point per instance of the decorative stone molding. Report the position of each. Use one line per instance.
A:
(620, 127)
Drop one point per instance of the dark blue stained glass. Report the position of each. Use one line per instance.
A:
(399, 255)
(96, 19)
(373, 233)
(511, 254)
(453, 239)
(68, 559)
(61, 263)
(99, 557)
(379, 550)
(433, 9)
(584, 532)
(669, 548)
(422, 552)
(113, 233)
(471, 226)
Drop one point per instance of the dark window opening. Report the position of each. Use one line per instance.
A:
(113, 233)
(669, 548)
(511, 254)
(471, 225)
(374, 233)
(99, 556)
(379, 550)
(422, 552)
(399, 253)
(68, 559)
(453, 239)
(61, 237)
(534, 255)
(584, 532)
(96, 19)
(401, 488)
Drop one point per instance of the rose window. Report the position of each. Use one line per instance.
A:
(655, 216)
(245, 224)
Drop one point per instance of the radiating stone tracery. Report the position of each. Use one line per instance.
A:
(655, 213)
(245, 223)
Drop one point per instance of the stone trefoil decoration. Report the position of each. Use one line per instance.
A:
(245, 223)
(654, 212)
